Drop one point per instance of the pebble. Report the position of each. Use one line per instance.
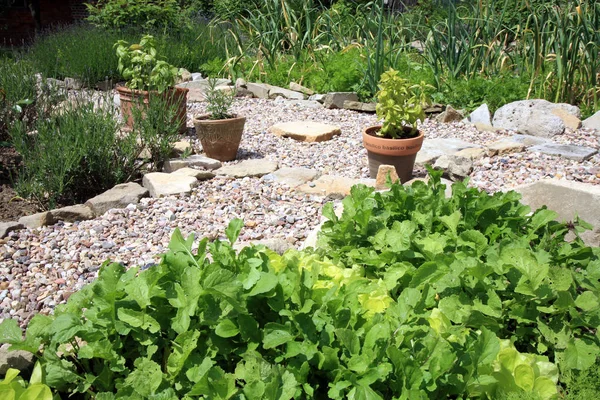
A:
(43, 267)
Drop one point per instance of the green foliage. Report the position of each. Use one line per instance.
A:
(147, 14)
(400, 105)
(17, 93)
(74, 154)
(14, 387)
(140, 66)
(218, 102)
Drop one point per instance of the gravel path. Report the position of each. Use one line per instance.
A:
(41, 268)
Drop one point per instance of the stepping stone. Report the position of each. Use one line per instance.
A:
(306, 131)
(501, 147)
(571, 152)
(569, 199)
(292, 177)
(197, 161)
(8, 227)
(199, 174)
(529, 140)
(119, 196)
(434, 148)
(473, 153)
(333, 185)
(74, 213)
(37, 220)
(160, 184)
(359, 106)
(248, 168)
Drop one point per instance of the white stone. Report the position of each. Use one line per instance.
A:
(248, 168)
(117, 197)
(306, 131)
(481, 115)
(160, 184)
(592, 122)
(337, 99)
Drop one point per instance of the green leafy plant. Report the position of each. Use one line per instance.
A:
(119, 14)
(400, 105)
(139, 65)
(218, 100)
(14, 387)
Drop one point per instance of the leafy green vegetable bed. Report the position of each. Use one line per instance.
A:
(409, 295)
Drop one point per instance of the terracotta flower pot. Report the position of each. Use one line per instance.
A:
(132, 98)
(401, 153)
(220, 138)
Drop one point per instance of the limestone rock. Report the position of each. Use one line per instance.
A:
(299, 88)
(434, 148)
(17, 359)
(37, 220)
(292, 177)
(473, 153)
(199, 174)
(278, 245)
(333, 185)
(8, 227)
(160, 184)
(569, 199)
(74, 213)
(504, 146)
(260, 90)
(306, 131)
(337, 99)
(450, 115)
(184, 75)
(571, 121)
(434, 109)
(529, 140)
(285, 93)
(317, 97)
(203, 84)
(481, 127)
(178, 148)
(240, 83)
(197, 161)
(250, 168)
(592, 122)
(382, 174)
(455, 167)
(481, 115)
(533, 117)
(196, 76)
(119, 196)
(571, 152)
(359, 106)
(301, 103)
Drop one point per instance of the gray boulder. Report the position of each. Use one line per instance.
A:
(37, 220)
(534, 117)
(275, 91)
(337, 99)
(8, 227)
(450, 115)
(455, 167)
(74, 213)
(259, 90)
(119, 196)
(481, 115)
(592, 122)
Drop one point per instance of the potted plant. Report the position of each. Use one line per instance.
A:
(146, 75)
(398, 140)
(219, 131)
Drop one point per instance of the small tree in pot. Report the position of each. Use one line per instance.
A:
(146, 75)
(398, 140)
(219, 131)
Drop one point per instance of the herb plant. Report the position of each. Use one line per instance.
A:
(16, 388)
(139, 65)
(218, 101)
(400, 105)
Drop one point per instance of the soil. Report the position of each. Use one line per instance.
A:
(12, 207)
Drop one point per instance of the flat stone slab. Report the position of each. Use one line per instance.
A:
(334, 185)
(196, 161)
(74, 213)
(275, 91)
(434, 148)
(201, 175)
(571, 152)
(37, 220)
(529, 140)
(119, 196)
(360, 106)
(292, 177)
(160, 184)
(248, 168)
(472, 153)
(504, 146)
(178, 148)
(8, 227)
(306, 131)
(569, 199)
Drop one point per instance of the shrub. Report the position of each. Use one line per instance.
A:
(73, 154)
(147, 14)
(17, 93)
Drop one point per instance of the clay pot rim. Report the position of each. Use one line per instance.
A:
(204, 118)
(121, 87)
(373, 128)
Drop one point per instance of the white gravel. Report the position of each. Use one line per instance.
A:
(41, 268)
